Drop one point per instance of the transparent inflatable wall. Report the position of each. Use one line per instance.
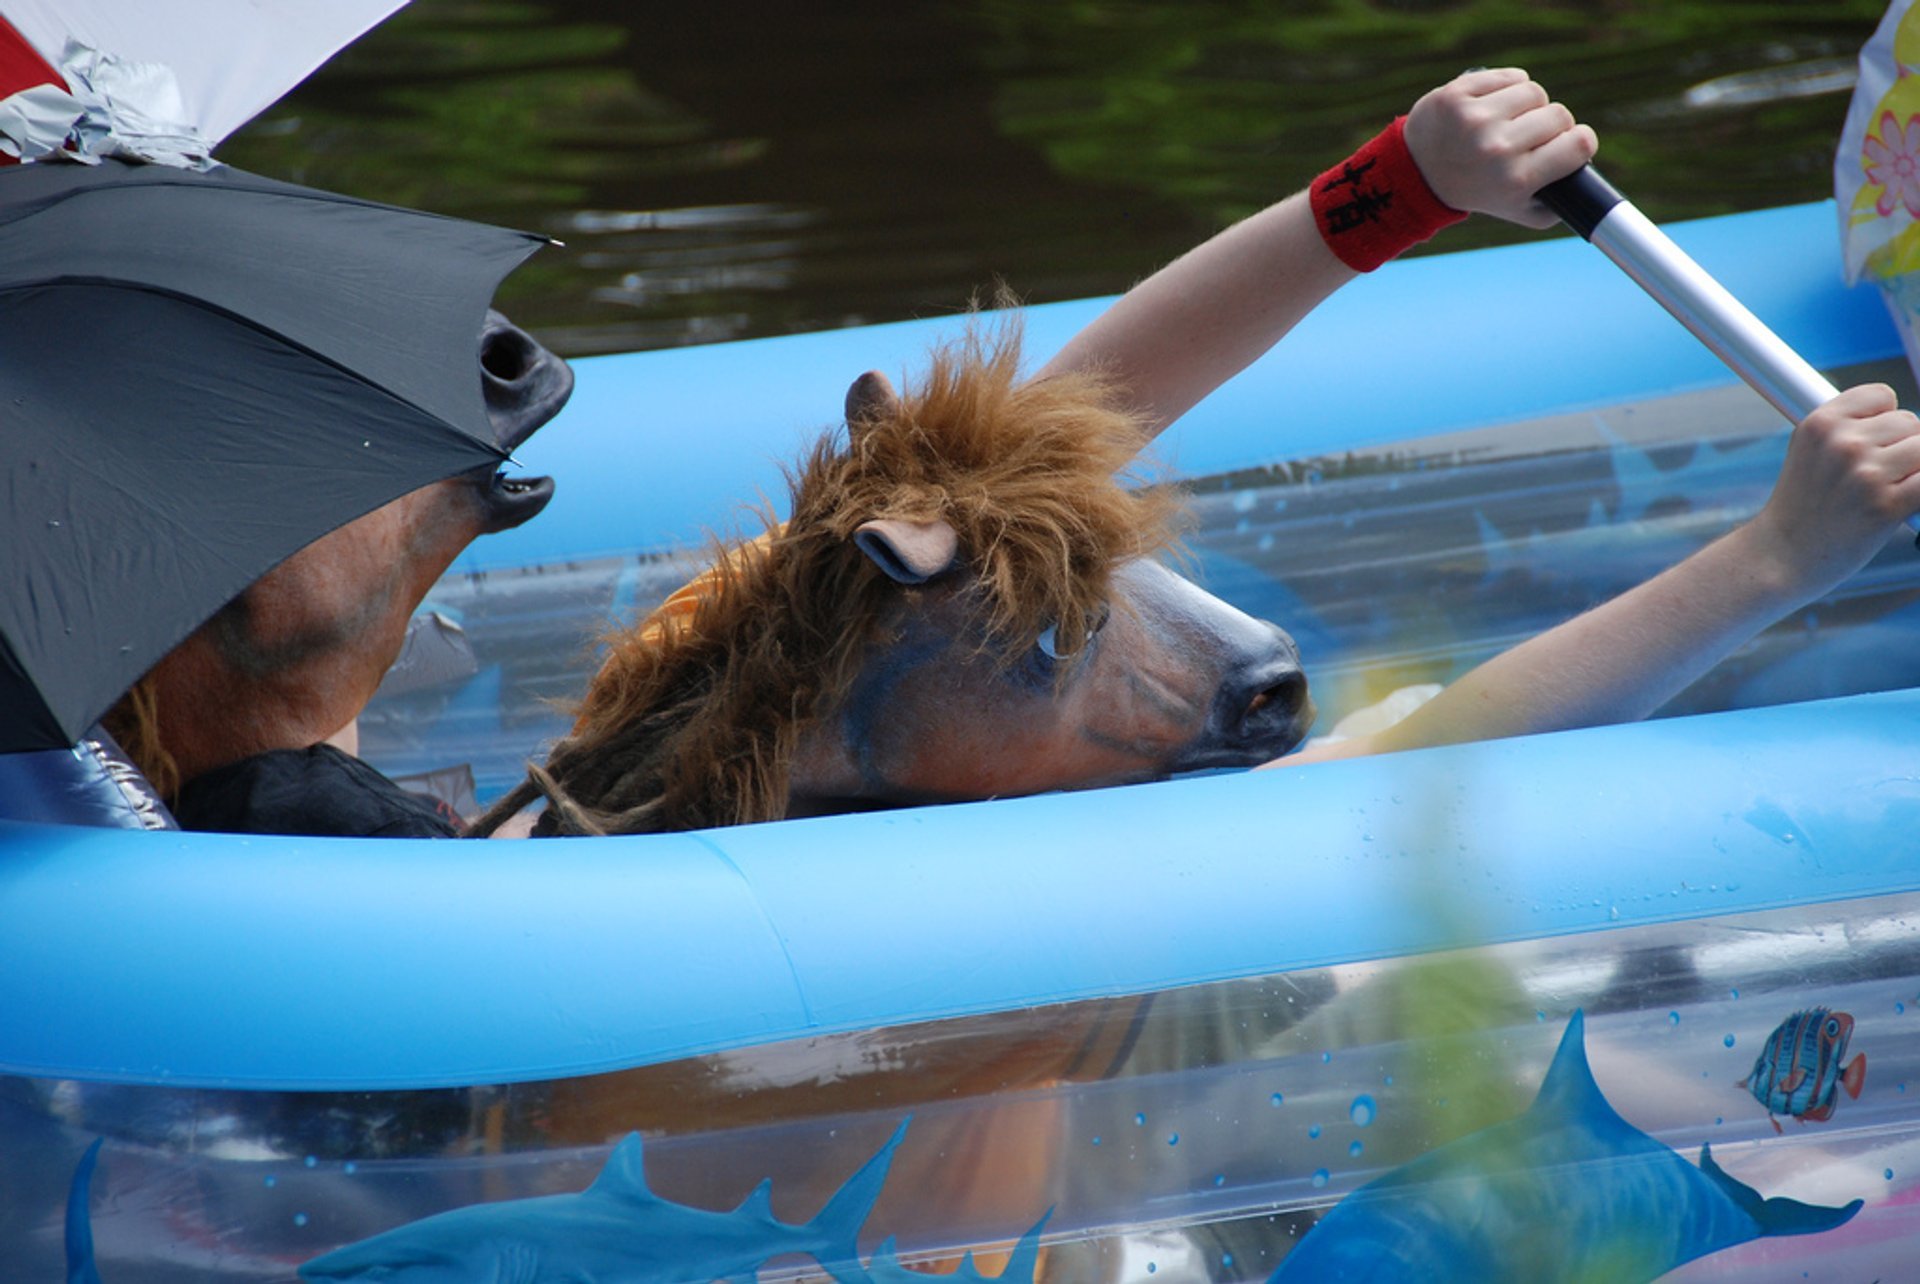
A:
(1193, 1134)
(1392, 568)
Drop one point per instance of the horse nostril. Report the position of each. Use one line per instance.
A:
(1282, 699)
(507, 354)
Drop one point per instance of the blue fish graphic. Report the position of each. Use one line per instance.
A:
(80, 1267)
(1567, 1191)
(887, 1268)
(615, 1232)
(421, 1257)
(1798, 1072)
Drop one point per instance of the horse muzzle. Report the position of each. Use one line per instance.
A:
(525, 385)
(1261, 711)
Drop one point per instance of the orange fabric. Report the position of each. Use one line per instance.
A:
(680, 605)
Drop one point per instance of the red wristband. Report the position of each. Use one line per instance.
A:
(1375, 204)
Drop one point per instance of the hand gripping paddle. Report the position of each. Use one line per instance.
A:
(1591, 206)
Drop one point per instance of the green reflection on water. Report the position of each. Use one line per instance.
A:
(746, 167)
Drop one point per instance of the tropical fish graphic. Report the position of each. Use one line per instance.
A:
(615, 1232)
(1567, 1191)
(1798, 1071)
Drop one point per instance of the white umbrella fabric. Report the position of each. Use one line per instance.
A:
(162, 80)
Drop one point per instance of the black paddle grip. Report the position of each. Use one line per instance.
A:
(1581, 199)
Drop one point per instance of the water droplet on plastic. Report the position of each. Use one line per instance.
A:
(1728, 1041)
(1275, 1099)
(1355, 1149)
(1140, 1120)
(1314, 1132)
(1362, 1110)
(1673, 1018)
(312, 1161)
(1173, 1139)
(270, 1181)
(1321, 1177)
(299, 1219)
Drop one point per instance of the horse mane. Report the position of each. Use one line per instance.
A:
(693, 719)
(134, 721)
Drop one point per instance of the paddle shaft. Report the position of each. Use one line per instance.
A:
(1591, 206)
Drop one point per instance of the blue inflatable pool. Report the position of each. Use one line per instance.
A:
(1646, 990)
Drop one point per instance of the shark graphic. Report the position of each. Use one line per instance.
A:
(887, 1268)
(80, 1267)
(1567, 1191)
(615, 1232)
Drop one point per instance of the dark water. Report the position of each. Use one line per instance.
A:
(742, 167)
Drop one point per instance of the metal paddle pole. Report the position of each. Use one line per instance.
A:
(1591, 206)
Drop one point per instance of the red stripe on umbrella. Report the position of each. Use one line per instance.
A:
(21, 67)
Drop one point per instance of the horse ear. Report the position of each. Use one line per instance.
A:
(871, 398)
(909, 552)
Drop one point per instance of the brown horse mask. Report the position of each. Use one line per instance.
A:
(1172, 680)
(971, 646)
(295, 657)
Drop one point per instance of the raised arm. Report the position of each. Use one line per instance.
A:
(1485, 142)
(1852, 473)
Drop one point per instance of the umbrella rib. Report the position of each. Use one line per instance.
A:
(258, 184)
(215, 309)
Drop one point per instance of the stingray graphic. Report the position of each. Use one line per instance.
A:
(1567, 1191)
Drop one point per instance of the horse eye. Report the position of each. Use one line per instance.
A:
(1048, 642)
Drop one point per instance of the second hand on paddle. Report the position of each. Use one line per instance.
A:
(1591, 206)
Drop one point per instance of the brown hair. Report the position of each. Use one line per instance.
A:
(692, 721)
(134, 721)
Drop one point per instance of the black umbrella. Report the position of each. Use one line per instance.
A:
(200, 373)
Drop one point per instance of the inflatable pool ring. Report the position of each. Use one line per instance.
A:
(1150, 1033)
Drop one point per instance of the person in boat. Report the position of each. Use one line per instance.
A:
(1485, 143)
(249, 724)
